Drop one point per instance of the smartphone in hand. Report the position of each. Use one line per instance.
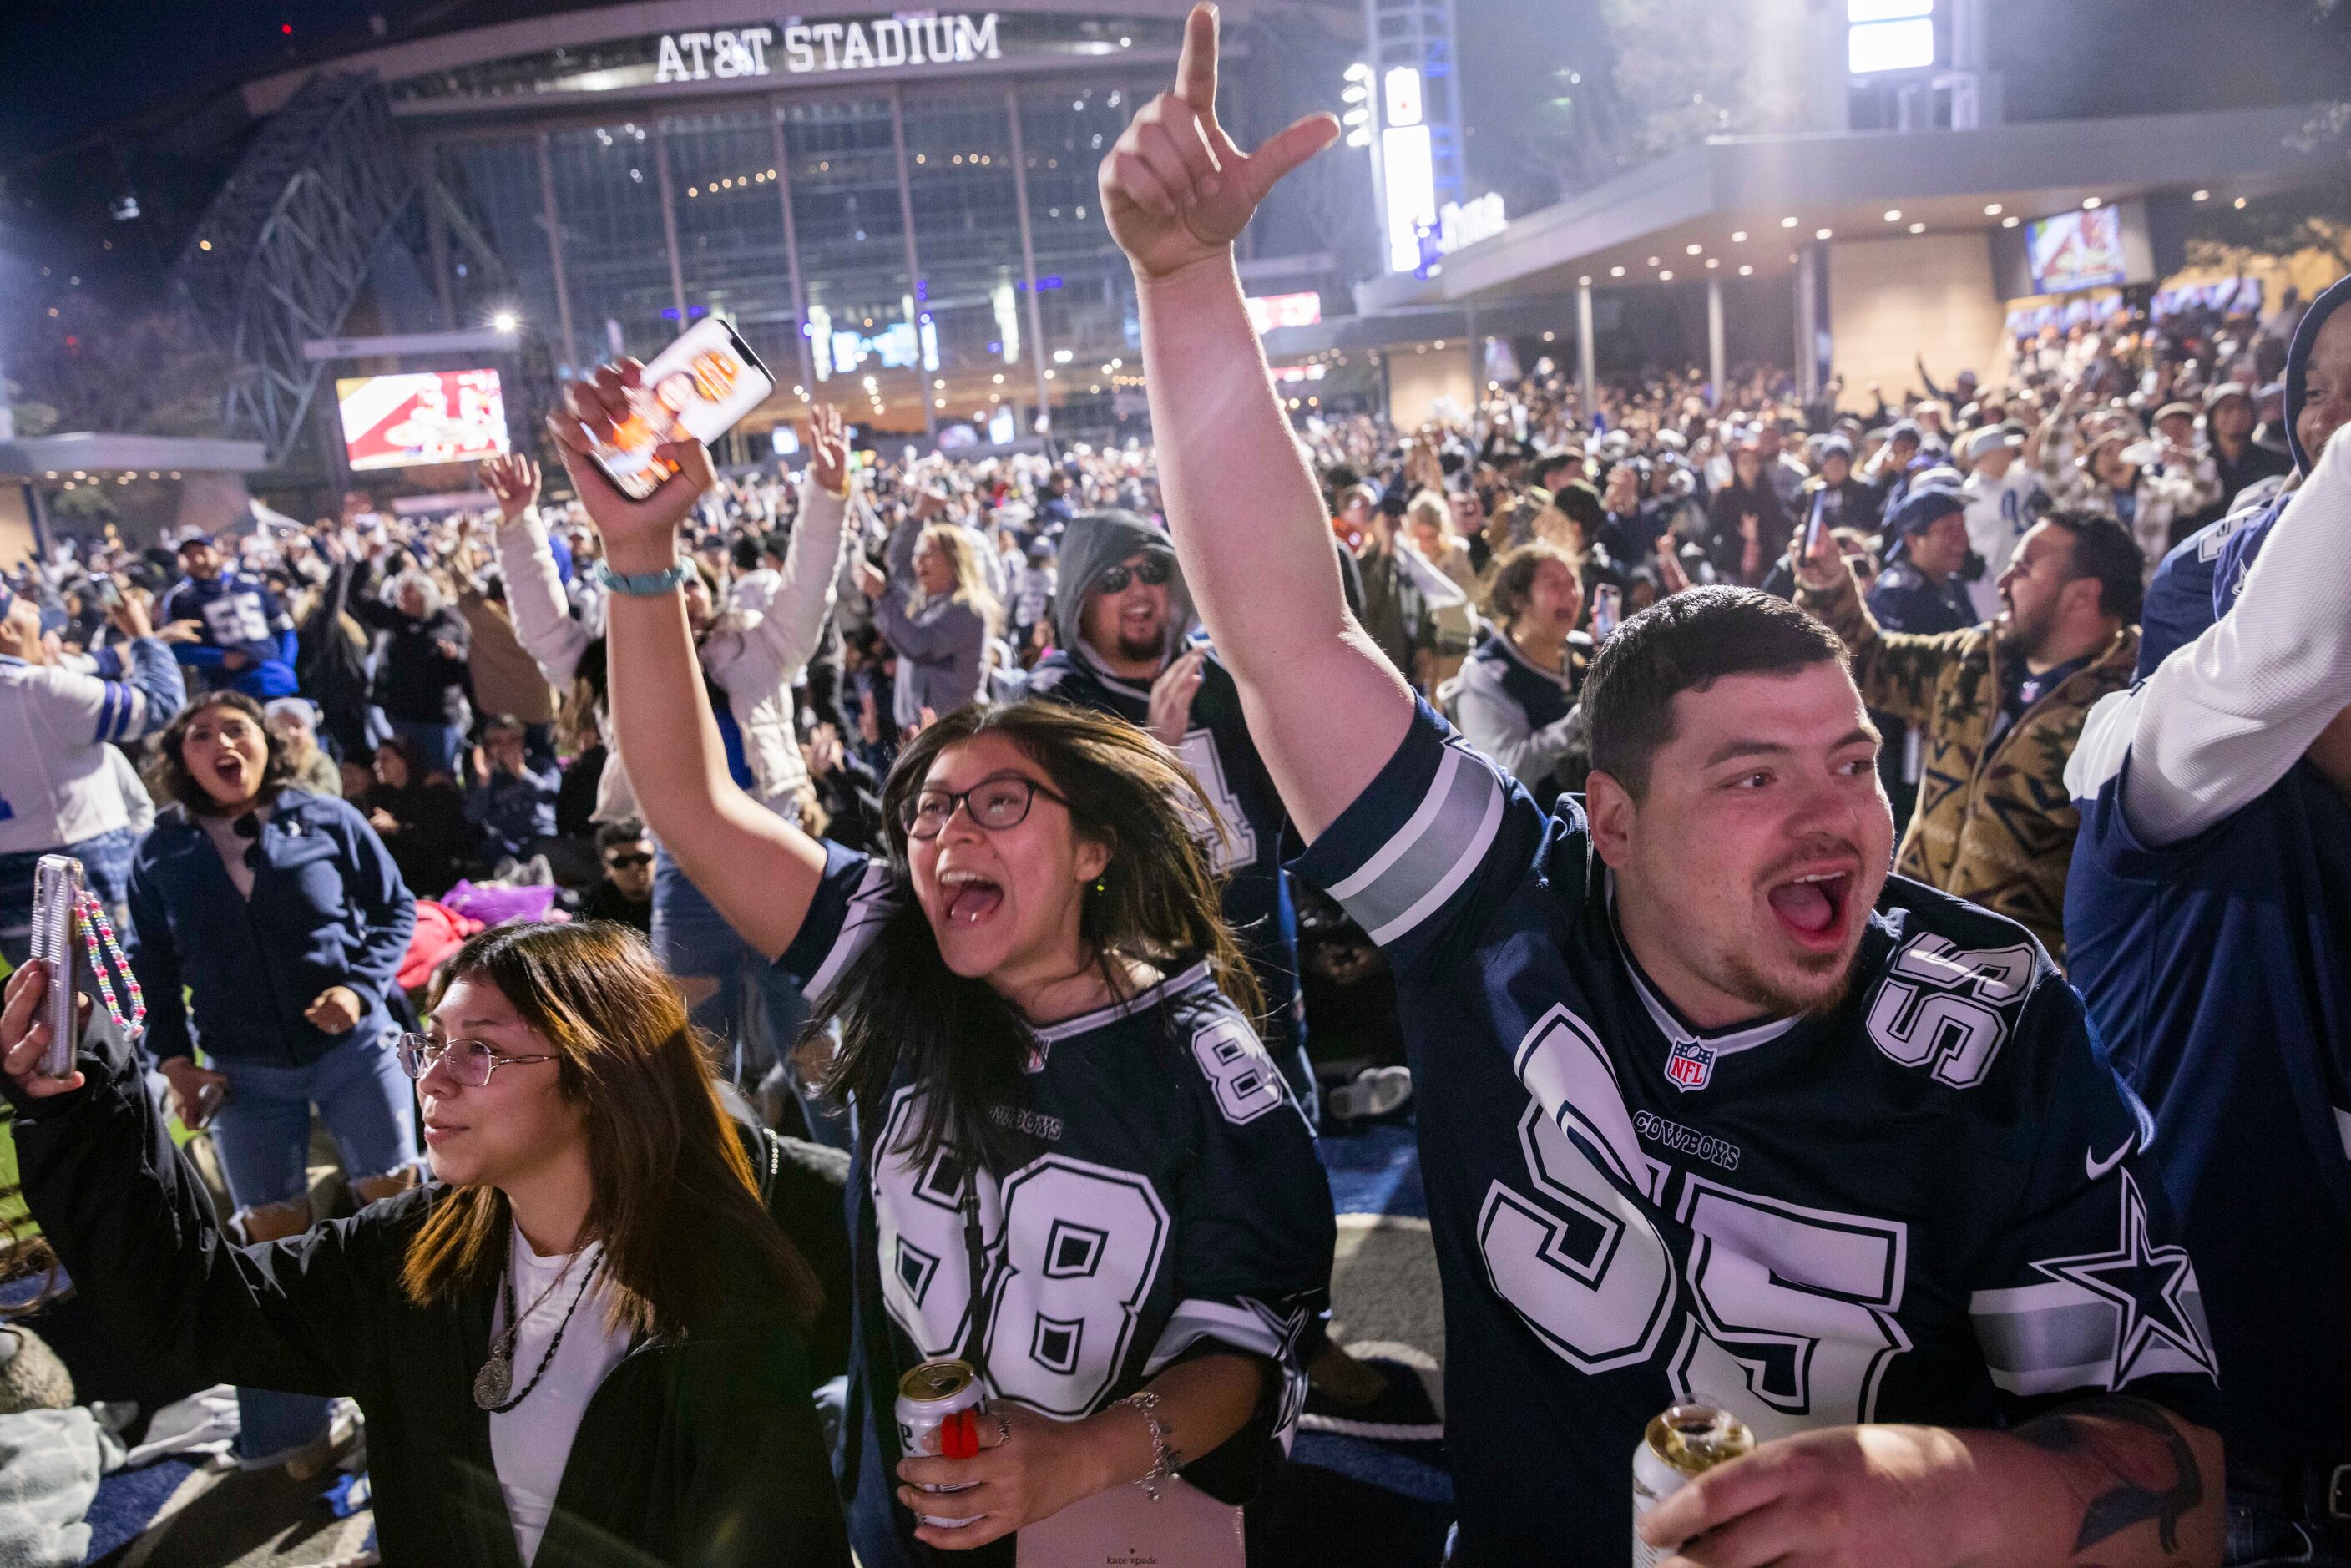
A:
(57, 885)
(697, 387)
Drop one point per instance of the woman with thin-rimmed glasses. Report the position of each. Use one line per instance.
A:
(1077, 1168)
(580, 1345)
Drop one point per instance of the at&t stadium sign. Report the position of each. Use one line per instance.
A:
(801, 47)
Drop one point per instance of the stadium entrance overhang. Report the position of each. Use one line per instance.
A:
(210, 475)
(1926, 230)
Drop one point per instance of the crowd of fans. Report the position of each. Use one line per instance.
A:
(304, 768)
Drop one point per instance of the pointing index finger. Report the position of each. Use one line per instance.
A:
(1196, 68)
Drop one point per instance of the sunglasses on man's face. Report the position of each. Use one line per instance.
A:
(629, 862)
(1151, 571)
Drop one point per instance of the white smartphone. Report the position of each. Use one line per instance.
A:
(698, 386)
(57, 889)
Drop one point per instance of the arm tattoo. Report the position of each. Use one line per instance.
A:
(2140, 1490)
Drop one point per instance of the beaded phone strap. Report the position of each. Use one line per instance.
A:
(98, 935)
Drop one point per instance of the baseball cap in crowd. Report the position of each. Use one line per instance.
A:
(1984, 443)
(301, 708)
(1834, 446)
(2214, 396)
(52, 618)
(1923, 508)
(2174, 410)
(1902, 427)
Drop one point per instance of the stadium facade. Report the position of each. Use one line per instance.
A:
(897, 210)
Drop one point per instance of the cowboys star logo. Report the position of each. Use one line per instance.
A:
(2146, 1283)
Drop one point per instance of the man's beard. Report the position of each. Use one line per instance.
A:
(2025, 638)
(1138, 647)
(1743, 980)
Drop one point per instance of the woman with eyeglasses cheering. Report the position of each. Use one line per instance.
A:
(283, 918)
(580, 1344)
(1077, 1168)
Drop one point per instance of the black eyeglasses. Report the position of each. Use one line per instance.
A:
(628, 862)
(470, 1061)
(995, 803)
(1151, 571)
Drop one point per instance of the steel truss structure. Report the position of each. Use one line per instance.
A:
(287, 245)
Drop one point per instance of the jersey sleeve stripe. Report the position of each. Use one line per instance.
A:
(869, 908)
(1246, 1327)
(1436, 850)
(109, 702)
(2043, 1339)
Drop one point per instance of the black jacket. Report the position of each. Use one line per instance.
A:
(415, 681)
(699, 1449)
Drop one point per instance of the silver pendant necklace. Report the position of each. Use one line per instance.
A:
(494, 1382)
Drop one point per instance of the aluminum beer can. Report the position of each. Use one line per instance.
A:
(938, 1407)
(1681, 1445)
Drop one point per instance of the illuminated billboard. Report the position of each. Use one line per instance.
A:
(2076, 250)
(1267, 311)
(432, 416)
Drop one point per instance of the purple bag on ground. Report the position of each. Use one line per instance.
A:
(490, 905)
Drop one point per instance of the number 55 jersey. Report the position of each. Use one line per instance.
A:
(1928, 1205)
(1174, 1207)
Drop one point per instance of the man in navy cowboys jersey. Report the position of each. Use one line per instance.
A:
(1711, 1107)
(227, 626)
(1119, 622)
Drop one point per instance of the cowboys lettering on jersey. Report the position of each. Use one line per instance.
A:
(1931, 1205)
(1175, 1206)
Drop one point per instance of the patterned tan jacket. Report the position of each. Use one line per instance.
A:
(1993, 823)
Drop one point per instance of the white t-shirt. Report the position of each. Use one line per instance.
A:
(531, 1443)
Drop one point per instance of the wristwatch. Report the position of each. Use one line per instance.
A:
(643, 584)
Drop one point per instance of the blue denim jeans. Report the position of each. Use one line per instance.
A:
(756, 1013)
(432, 748)
(262, 1135)
(2261, 1535)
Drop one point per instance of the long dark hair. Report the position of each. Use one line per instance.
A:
(170, 770)
(1158, 903)
(676, 1202)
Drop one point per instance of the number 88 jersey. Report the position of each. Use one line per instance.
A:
(1931, 1205)
(1174, 1206)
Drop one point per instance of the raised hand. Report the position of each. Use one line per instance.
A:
(1176, 189)
(639, 535)
(828, 447)
(512, 478)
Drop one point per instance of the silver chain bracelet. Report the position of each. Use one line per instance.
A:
(1164, 1459)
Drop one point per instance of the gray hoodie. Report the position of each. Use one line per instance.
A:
(1091, 544)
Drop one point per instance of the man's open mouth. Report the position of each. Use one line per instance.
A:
(1814, 906)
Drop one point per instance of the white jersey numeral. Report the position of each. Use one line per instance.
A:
(236, 618)
(1791, 1318)
(1940, 1004)
(1794, 1305)
(1247, 1083)
(1578, 1260)
(1236, 845)
(1071, 1253)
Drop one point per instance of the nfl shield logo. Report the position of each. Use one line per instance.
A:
(1690, 1065)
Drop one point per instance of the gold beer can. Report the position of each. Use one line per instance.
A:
(1682, 1444)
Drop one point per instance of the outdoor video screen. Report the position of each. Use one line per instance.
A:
(432, 416)
(2076, 250)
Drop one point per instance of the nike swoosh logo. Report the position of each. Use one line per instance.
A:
(2095, 1167)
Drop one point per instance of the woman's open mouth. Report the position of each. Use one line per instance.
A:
(1813, 907)
(970, 897)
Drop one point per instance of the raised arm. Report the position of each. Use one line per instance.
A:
(542, 615)
(2229, 714)
(761, 871)
(1323, 706)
